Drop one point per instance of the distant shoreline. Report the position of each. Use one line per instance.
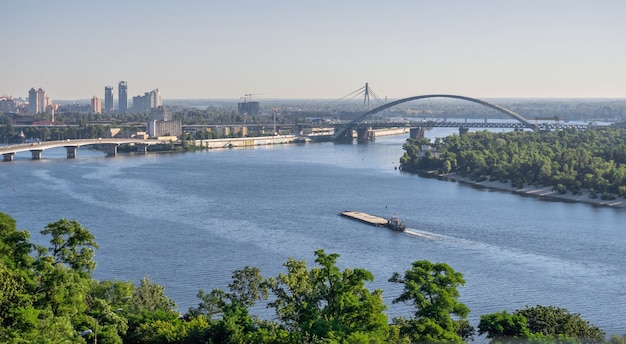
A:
(543, 192)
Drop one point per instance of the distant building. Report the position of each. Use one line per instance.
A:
(96, 105)
(164, 128)
(160, 123)
(147, 102)
(160, 113)
(32, 101)
(37, 101)
(249, 109)
(122, 90)
(42, 101)
(108, 99)
(9, 105)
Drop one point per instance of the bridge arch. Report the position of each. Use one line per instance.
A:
(372, 112)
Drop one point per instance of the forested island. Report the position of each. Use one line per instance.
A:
(573, 162)
(48, 295)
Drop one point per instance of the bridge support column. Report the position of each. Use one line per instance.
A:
(8, 156)
(463, 130)
(297, 129)
(141, 148)
(346, 137)
(71, 152)
(365, 134)
(416, 133)
(112, 150)
(36, 154)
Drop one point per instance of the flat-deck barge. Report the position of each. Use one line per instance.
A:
(393, 224)
(367, 218)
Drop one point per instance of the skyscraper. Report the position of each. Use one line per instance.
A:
(150, 100)
(32, 101)
(122, 97)
(108, 98)
(41, 100)
(37, 101)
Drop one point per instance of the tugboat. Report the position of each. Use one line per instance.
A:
(395, 225)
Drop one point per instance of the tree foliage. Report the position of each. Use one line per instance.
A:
(539, 323)
(432, 289)
(568, 160)
(325, 302)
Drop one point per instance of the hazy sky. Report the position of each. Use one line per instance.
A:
(315, 49)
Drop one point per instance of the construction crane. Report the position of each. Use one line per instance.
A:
(248, 96)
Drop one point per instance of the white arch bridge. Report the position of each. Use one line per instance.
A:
(71, 146)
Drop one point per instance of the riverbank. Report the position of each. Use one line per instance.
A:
(544, 192)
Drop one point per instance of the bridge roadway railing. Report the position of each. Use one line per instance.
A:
(36, 148)
(486, 125)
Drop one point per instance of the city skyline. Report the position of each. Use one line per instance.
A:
(280, 49)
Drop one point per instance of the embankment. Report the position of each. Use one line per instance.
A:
(544, 192)
(245, 141)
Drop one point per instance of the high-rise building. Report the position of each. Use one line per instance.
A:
(150, 100)
(250, 109)
(122, 97)
(37, 101)
(108, 98)
(42, 101)
(155, 99)
(32, 101)
(96, 105)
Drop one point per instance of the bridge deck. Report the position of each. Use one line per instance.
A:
(367, 218)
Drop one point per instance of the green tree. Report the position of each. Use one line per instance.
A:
(71, 244)
(439, 316)
(16, 303)
(234, 323)
(617, 339)
(325, 303)
(43, 297)
(540, 323)
(499, 326)
(15, 247)
(558, 323)
(147, 309)
(248, 287)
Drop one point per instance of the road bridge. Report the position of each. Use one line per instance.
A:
(36, 148)
(365, 130)
(345, 132)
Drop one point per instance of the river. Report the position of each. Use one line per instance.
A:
(189, 220)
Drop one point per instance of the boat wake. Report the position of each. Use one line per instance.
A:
(421, 234)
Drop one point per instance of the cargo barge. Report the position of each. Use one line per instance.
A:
(393, 223)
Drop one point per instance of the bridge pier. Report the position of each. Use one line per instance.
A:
(8, 156)
(141, 148)
(112, 150)
(416, 133)
(71, 152)
(463, 131)
(36, 154)
(365, 135)
(346, 137)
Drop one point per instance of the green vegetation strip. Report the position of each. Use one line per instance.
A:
(568, 161)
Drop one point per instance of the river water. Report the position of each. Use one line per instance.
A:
(189, 220)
